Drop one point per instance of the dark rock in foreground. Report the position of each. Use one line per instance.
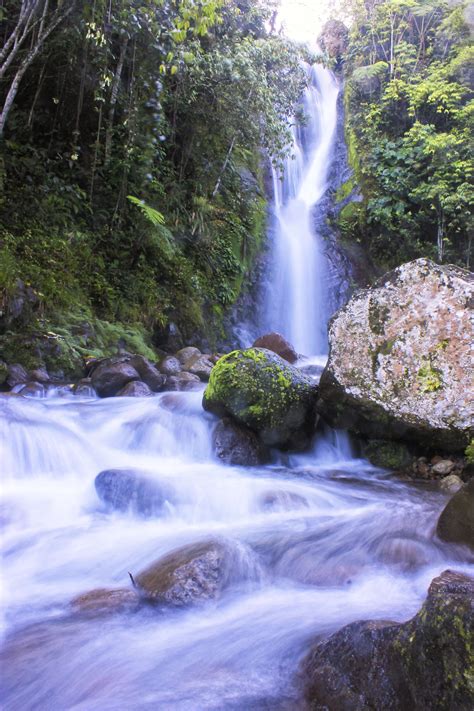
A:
(262, 391)
(131, 490)
(135, 389)
(110, 377)
(237, 445)
(423, 664)
(456, 523)
(400, 363)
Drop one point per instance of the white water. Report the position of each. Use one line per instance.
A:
(342, 541)
(356, 544)
(297, 300)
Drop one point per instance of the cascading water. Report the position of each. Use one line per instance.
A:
(322, 539)
(297, 299)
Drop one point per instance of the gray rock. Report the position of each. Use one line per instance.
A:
(169, 365)
(16, 375)
(420, 664)
(110, 377)
(199, 365)
(193, 573)
(456, 523)
(451, 483)
(400, 363)
(148, 373)
(443, 468)
(132, 490)
(135, 389)
(39, 375)
(187, 353)
(84, 388)
(237, 445)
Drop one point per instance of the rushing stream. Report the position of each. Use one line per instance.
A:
(323, 538)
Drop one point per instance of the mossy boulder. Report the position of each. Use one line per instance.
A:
(387, 454)
(262, 391)
(400, 364)
(425, 663)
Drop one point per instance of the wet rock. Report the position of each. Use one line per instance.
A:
(110, 377)
(237, 445)
(451, 483)
(104, 601)
(456, 523)
(169, 365)
(131, 490)
(282, 501)
(193, 573)
(150, 375)
(39, 375)
(388, 455)
(403, 552)
(183, 382)
(135, 389)
(3, 372)
(16, 375)
(199, 365)
(260, 390)
(33, 390)
(185, 354)
(400, 364)
(84, 388)
(420, 664)
(276, 343)
(443, 467)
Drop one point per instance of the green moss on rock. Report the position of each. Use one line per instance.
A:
(262, 391)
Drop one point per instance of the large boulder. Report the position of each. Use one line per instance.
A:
(132, 490)
(193, 573)
(150, 375)
(400, 363)
(169, 365)
(237, 445)
(456, 523)
(110, 376)
(278, 344)
(183, 382)
(260, 390)
(425, 663)
(199, 365)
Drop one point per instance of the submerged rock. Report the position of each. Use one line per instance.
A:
(260, 390)
(276, 343)
(425, 663)
(456, 523)
(110, 376)
(193, 573)
(400, 363)
(237, 445)
(130, 489)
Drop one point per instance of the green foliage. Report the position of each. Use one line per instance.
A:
(168, 101)
(470, 452)
(409, 109)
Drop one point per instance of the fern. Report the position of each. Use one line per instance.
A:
(153, 216)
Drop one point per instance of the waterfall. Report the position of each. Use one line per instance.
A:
(297, 301)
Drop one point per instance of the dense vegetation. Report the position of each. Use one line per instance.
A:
(409, 123)
(134, 135)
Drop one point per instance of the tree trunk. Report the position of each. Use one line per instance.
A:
(113, 100)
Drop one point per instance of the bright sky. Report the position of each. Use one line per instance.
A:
(303, 19)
